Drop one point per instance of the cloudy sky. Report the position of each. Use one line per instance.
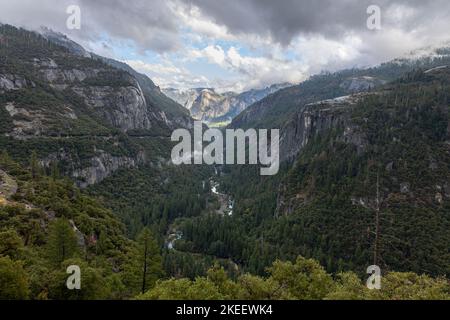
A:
(240, 44)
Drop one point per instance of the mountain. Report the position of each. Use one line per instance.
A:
(101, 124)
(207, 105)
(91, 115)
(186, 98)
(47, 225)
(152, 93)
(364, 178)
(377, 157)
(63, 41)
(275, 110)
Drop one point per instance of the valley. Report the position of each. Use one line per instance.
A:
(86, 160)
(218, 109)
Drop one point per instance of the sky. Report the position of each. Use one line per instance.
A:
(236, 45)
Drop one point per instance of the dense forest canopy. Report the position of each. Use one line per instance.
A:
(370, 186)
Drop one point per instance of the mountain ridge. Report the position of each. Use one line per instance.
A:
(275, 110)
(208, 105)
(78, 110)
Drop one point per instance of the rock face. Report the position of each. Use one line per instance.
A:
(91, 115)
(277, 109)
(160, 108)
(312, 121)
(95, 169)
(210, 106)
(124, 108)
(316, 118)
(186, 98)
(10, 82)
(102, 166)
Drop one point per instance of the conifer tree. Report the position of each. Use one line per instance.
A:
(150, 259)
(62, 241)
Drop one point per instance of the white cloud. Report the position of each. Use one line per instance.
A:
(150, 68)
(283, 41)
(309, 56)
(193, 19)
(167, 75)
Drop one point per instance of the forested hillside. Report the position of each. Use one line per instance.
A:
(369, 186)
(275, 110)
(47, 225)
(86, 179)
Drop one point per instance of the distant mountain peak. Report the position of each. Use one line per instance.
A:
(208, 105)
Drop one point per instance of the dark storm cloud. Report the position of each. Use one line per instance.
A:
(151, 24)
(285, 19)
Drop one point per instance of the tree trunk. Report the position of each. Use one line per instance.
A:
(144, 276)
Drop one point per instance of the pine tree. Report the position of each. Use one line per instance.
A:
(144, 266)
(34, 165)
(150, 259)
(55, 171)
(62, 242)
(5, 159)
(13, 280)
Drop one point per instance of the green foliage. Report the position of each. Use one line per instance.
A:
(302, 280)
(36, 234)
(144, 265)
(13, 280)
(183, 289)
(410, 286)
(153, 197)
(394, 286)
(62, 242)
(306, 279)
(11, 244)
(94, 283)
(322, 205)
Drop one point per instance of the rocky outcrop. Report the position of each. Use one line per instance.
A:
(29, 123)
(10, 82)
(123, 107)
(186, 98)
(315, 119)
(97, 168)
(311, 121)
(208, 105)
(68, 99)
(102, 166)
